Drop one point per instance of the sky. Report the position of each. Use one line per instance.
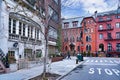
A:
(78, 8)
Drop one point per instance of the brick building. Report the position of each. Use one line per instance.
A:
(108, 32)
(89, 35)
(71, 35)
(100, 34)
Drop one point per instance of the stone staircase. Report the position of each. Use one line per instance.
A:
(2, 68)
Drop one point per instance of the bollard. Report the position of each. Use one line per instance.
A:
(76, 61)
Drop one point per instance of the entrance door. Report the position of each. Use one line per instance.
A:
(101, 46)
(72, 46)
(11, 56)
(28, 54)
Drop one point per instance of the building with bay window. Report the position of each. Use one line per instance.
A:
(21, 29)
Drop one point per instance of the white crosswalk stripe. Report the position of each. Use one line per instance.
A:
(96, 61)
(111, 61)
(103, 61)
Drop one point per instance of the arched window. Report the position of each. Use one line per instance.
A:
(101, 47)
(88, 47)
(66, 48)
(88, 38)
(109, 47)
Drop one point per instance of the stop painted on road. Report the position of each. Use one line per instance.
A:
(107, 71)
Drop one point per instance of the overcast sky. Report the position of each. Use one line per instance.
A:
(75, 8)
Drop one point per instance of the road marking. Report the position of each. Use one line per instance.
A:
(96, 61)
(99, 70)
(87, 60)
(106, 64)
(117, 61)
(101, 61)
(92, 60)
(107, 71)
(105, 60)
(111, 61)
(117, 72)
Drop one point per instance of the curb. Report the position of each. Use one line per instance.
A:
(69, 71)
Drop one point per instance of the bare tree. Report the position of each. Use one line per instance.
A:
(45, 21)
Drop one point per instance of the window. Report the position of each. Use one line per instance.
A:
(66, 39)
(11, 55)
(50, 11)
(66, 24)
(108, 17)
(75, 23)
(109, 47)
(117, 35)
(118, 47)
(88, 30)
(88, 47)
(100, 19)
(28, 31)
(35, 33)
(108, 26)
(32, 32)
(78, 39)
(117, 16)
(10, 25)
(53, 14)
(14, 26)
(101, 36)
(53, 33)
(20, 27)
(88, 38)
(72, 39)
(109, 36)
(92, 30)
(78, 48)
(88, 21)
(38, 34)
(23, 29)
(117, 25)
(100, 27)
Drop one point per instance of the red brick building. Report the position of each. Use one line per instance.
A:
(89, 35)
(95, 34)
(71, 35)
(108, 32)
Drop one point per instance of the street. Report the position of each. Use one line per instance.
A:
(96, 69)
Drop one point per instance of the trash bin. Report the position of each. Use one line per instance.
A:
(80, 57)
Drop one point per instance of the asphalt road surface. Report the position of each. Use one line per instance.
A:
(96, 69)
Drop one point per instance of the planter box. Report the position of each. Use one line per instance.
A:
(54, 59)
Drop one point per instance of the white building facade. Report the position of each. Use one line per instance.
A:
(21, 30)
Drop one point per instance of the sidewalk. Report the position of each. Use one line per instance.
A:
(61, 68)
